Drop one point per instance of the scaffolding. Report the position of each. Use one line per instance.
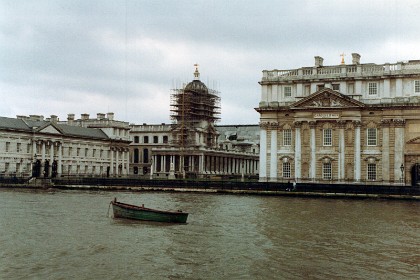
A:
(194, 109)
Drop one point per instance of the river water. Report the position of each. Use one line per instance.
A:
(67, 235)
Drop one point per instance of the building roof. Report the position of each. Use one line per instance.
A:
(66, 130)
(196, 86)
(16, 124)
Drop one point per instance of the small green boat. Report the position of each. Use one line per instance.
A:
(128, 211)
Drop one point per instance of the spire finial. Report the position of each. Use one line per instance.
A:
(196, 73)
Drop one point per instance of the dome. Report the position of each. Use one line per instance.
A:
(196, 86)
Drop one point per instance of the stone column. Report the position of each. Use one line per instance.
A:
(298, 151)
(357, 151)
(201, 167)
(152, 166)
(341, 150)
(399, 148)
(42, 157)
(273, 152)
(51, 158)
(60, 159)
(263, 152)
(163, 163)
(172, 167)
(111, 168)
(117, 168)
(312, 170)
(385, 150)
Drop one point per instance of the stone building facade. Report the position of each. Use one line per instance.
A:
(192, 145)
(344, 123)
(234, 141)
(32, 146)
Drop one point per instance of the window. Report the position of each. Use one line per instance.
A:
(7, 146)
(18, 149)
(70, 151)
(417, 86)
(287, 91)
(327, 133)
(86, 152)
(136, 139)
(336, 87)
(286, 170)
(373, 88)
(28, 148)
(165, 139)
(371, 136)
(319, 87)
(326, 171)
(146, 139)
(155, 139)
(307, 90)
(93, 152)
(145, 156)
(136, 155)
(350, 88)
(78, 152)
(287, 137)
(371, 171)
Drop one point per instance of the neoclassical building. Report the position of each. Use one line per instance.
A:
(344, 123)
(31, 146)
(192, 145)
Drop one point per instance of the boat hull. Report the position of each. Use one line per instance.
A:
(128, 211)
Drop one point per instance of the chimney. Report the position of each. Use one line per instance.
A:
(85, 117)
(110, 116)
(36, 117)
(100, 116)
(319, 61)
(53, 118)
(356, 58)
(70, 118)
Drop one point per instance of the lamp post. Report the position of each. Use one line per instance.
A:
(402, 173)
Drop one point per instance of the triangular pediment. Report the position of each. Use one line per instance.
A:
(50, 129)
(327, 98)
(414, 141)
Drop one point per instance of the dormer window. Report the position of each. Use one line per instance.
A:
(336, 87)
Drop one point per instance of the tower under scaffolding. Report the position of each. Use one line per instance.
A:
(193, 150)
(194, 111)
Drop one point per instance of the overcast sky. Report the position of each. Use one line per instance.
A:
(125, 56)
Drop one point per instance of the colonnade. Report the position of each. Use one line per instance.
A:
(203, 164)
(54, 167)
(273, 156)
(51, 164)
